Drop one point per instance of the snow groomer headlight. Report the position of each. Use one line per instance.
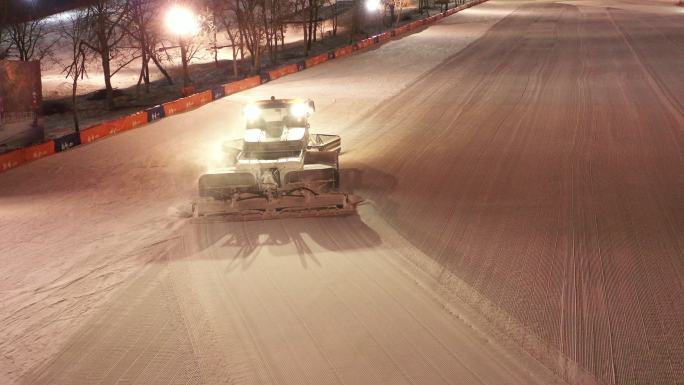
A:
(300, 110)
(295, 133)
(251, 112)
(253, 135)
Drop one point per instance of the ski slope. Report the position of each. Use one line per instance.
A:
(521, 163)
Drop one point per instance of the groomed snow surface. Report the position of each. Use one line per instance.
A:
(524, 224)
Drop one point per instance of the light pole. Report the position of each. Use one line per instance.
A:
(372, 7)
(183, 23)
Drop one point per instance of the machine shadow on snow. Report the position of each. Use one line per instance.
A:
(240, 242)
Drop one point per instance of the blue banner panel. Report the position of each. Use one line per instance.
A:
(67, 141)
(217, 92)
(155, 113)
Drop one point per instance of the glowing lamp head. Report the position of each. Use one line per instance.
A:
(251, 112)
(372, 5)
(300, 110)
(181, 21)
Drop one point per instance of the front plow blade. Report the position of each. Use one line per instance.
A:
(289, 206)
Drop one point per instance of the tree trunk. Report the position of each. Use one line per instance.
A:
(215, 46)
(235, 62)
(311, 22)
(184, 60)
(74, 87)
(161, 69)
(306, 40)
(334, 19)
(106, 71)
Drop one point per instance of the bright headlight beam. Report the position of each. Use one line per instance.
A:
(299, 110)
(251, 112)
(253, 135)
(295, 133)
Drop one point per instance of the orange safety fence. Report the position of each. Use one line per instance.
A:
(174, 107)
(241, 85)
(434, 18)
(344, 51)
(112, 127)
(192, 101)
(136, 119)
(385, 36)
(94, 133)
(205, 97)
(402, 29)
(39, 150)
(365, 43)
(316, 60)
(126, 123)
(11, 159)
(416, 24)
(282, 71)
(182, 104)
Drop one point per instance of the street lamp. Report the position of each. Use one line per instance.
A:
(183, 23)
(373, 7)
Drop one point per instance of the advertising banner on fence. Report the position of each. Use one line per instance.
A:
(20, 104)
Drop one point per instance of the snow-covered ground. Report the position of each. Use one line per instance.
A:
(521, 162)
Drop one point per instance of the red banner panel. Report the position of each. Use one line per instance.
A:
(94, 133)
(174, 107)
(242, 85)
(11, 159)
(282, 71)
(402, 29)
(344, 51)
(316, 60)
(38, 151)
(385, 36)
(135, 120)
(205, 97)
(364, 43)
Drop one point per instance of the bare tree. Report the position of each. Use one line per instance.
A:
(5, 43)
(252, 31)
(232, 28)
(273, 20)
(106, 22)
(224, 15)
(306, 14)
(75, 30)
(333, 6)
(212, 24)
(144, 30)
(399, 5)
(28, 40)
(189, 49)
